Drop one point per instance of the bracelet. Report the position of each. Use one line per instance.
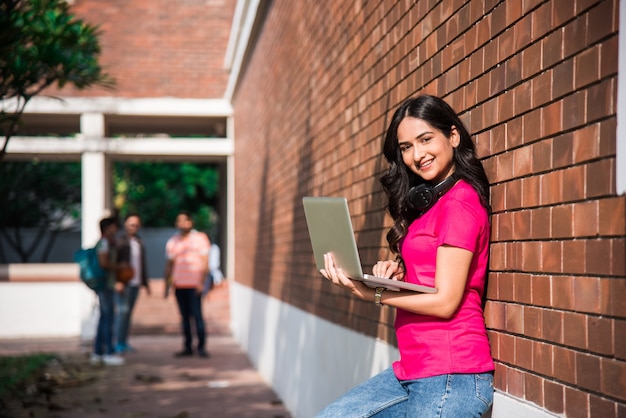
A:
(378, 296)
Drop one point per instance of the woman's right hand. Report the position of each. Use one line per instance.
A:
(388, 269)
(336, 276)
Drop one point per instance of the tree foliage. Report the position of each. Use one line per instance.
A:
(43, 196)
(158, 191)
(46, 196)
(42, 43)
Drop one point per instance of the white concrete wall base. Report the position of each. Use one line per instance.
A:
(505, 406)
(309, 362)
(53, 309)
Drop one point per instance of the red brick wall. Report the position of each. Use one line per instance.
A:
(535, 82)
(160, 48)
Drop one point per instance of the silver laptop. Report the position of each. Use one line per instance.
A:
(330, 230)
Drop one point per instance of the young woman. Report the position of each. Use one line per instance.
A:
(438, 196)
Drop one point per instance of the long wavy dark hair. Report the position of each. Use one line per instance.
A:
(399, 178)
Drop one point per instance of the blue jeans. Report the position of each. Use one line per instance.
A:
(124, 305)
(445, 396)
(190, 306)
(104, 333)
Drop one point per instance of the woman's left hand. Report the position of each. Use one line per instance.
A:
(388, 269)
(338, 277)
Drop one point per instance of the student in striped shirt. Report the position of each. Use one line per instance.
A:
(186, 269)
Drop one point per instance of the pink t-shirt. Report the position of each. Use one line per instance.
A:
(189, 255)
(431, 346)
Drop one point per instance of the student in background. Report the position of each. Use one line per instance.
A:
(186, 269)
(132, 252)
(216, 277)
(103, 351)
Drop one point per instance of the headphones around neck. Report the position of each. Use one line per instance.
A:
(424, 196)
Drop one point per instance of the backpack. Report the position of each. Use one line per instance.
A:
(91, 273)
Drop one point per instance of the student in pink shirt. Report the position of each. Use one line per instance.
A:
(186, 269)
(438, 197)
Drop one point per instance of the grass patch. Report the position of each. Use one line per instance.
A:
(16, 372)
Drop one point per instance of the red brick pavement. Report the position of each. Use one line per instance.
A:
(153, 383)
(156, 315)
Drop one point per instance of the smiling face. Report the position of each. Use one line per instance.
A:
(426, 151)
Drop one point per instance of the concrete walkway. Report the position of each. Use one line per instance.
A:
(153, 383)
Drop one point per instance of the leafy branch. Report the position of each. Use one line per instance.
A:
(42, 43)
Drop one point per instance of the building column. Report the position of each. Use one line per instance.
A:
(230, 203)
(96, 179)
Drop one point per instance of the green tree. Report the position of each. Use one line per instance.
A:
(41, 44)
(46, 197)
(158, 191)
(43, 196)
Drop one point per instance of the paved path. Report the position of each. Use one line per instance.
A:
(153, 383)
